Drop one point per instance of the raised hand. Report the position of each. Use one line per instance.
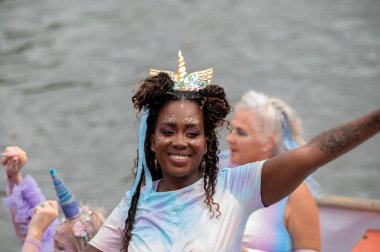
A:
(44, 214)
(13, 159)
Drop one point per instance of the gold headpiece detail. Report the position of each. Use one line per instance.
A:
(187, 82)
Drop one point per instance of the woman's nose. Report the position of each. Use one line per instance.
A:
(179, 140)
(230, 138)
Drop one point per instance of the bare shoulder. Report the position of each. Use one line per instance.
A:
(301, 192)
(301, 199)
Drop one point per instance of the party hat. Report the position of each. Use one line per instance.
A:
(66, 200)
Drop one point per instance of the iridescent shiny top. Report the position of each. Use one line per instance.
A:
(184, 81)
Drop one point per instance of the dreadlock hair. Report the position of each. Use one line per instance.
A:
(153, 93)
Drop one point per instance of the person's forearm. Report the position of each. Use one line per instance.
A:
(21, 201)
(12, 181)
(288, 170)
(31, 244)
(337, 141)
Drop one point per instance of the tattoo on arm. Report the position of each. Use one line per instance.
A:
(337, 139)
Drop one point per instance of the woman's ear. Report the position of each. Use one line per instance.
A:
(270, 141)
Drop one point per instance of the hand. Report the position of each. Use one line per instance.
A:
(44, 214)
(13, 159)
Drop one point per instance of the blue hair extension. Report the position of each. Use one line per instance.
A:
(141, 164)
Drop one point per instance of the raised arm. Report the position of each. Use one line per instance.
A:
(23, 195)
(13, 159)
(282, 174)
(44, 215)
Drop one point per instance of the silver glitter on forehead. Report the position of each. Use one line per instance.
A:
(170, 119)
(191, 120)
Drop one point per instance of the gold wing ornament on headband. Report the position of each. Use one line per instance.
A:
(187, 82)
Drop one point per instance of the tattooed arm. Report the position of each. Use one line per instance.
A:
(283, 173)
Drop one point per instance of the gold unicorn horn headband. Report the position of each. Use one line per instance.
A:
(184, 81)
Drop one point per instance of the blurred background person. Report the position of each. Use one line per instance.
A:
(35, 219)
(23, 196)
(263, 127)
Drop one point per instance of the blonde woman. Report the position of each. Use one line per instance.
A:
(262, 128)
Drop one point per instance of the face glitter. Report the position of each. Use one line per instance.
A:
(171, 119)
(163, 138)
(191, 121)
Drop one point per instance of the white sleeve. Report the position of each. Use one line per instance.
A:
(110, 235)
(244, 182)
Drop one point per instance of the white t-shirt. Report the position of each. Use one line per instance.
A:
(181, 221)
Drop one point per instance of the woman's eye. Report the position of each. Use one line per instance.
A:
(167, 132)
(192, 134)
(241, 132)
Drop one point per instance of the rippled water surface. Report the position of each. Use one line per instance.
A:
(68, 70)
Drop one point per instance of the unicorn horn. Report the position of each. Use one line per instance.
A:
(181, 67)
(66, 200)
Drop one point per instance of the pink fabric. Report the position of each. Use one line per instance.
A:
(342, 228)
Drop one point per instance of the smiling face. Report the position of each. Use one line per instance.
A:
(249, 141)
(179, 143)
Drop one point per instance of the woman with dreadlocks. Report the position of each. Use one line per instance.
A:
(180, 200)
